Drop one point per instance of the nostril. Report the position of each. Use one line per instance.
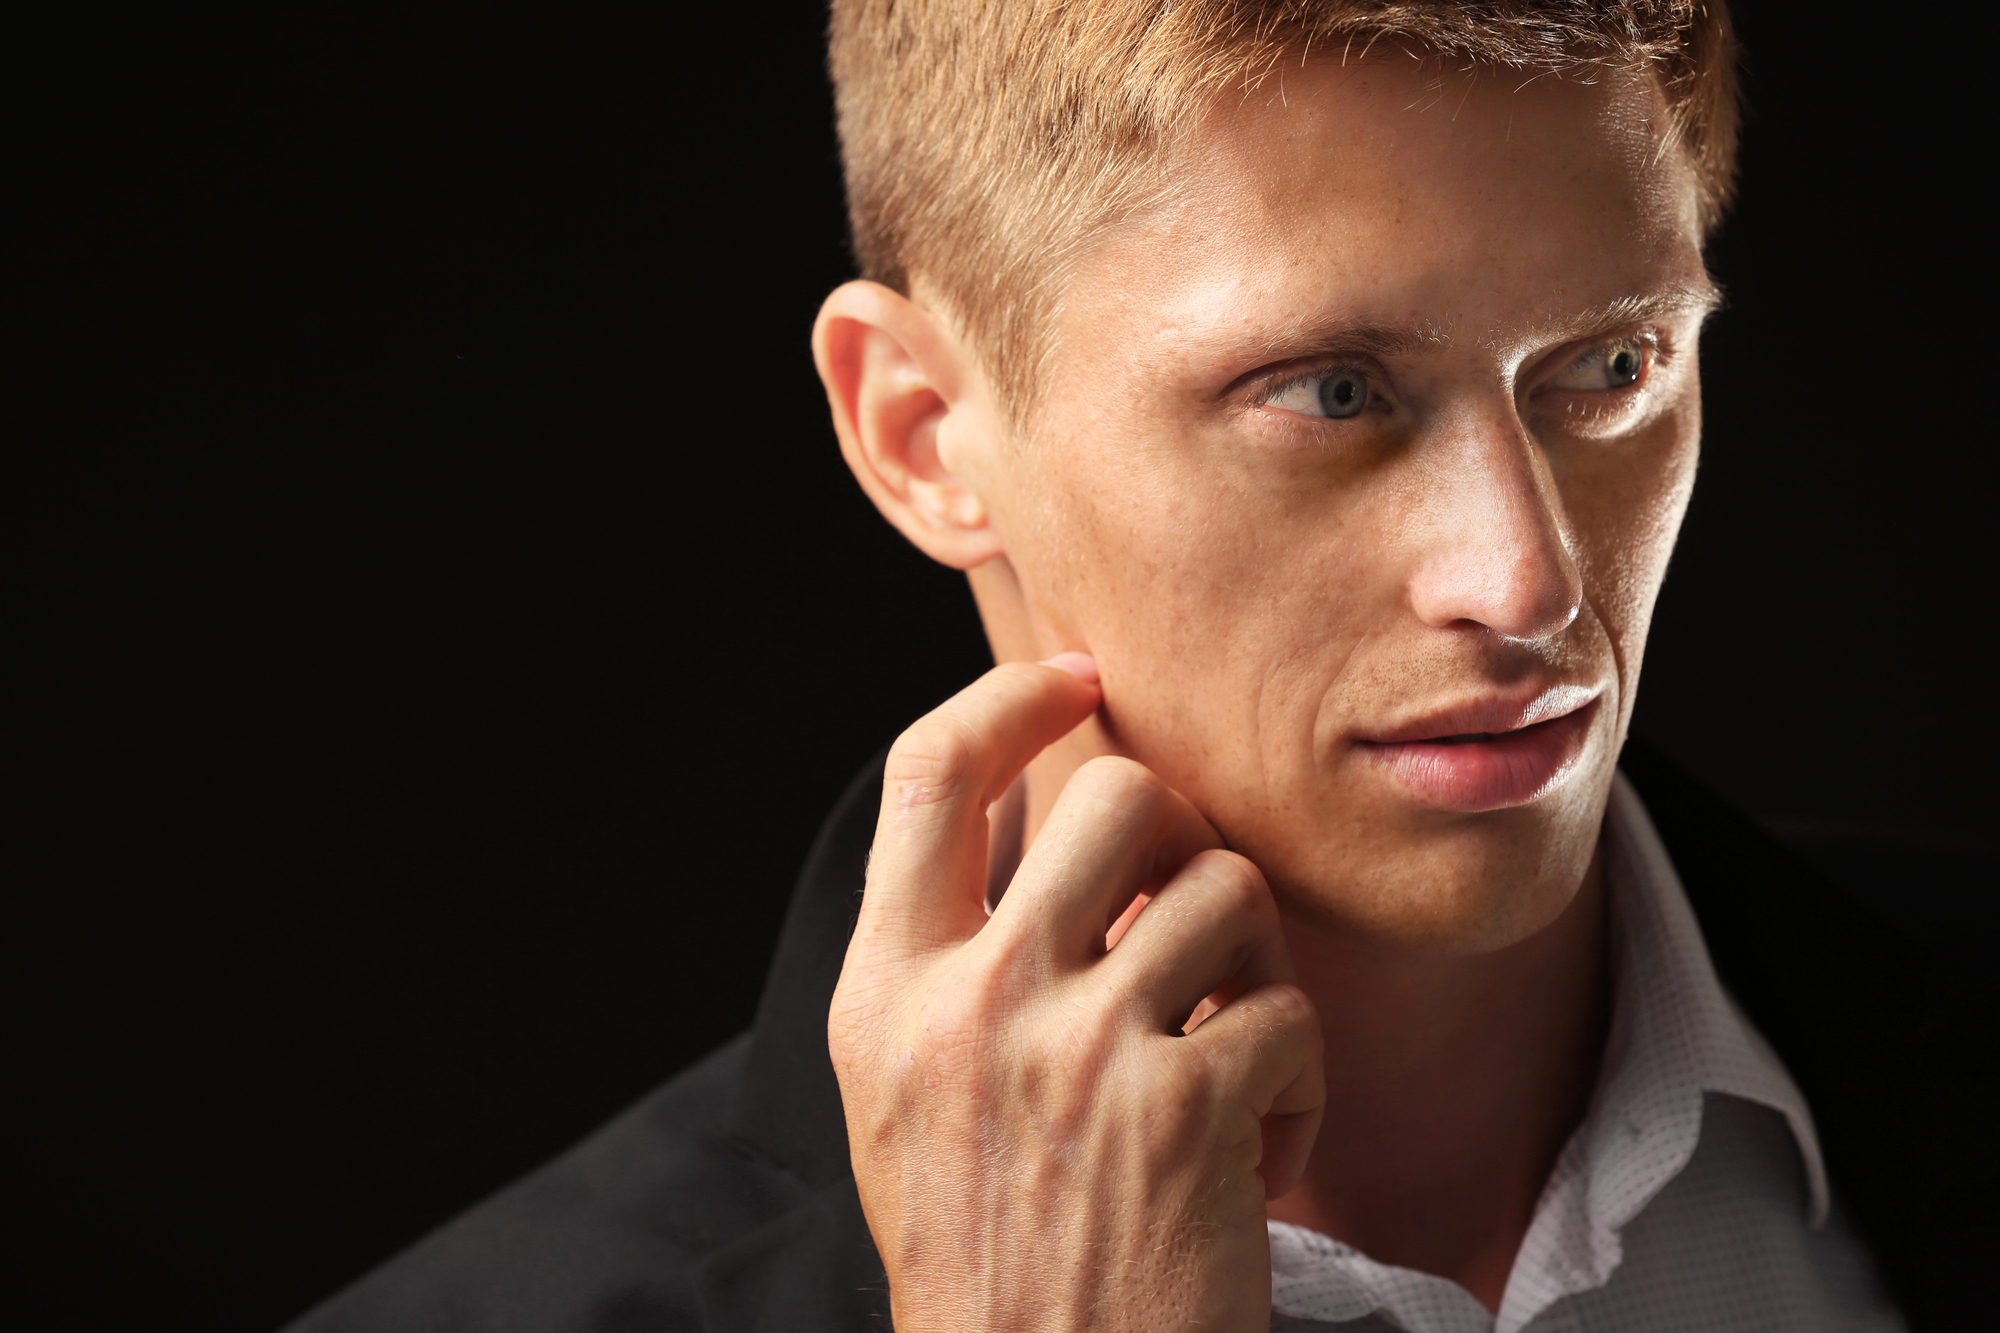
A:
(1522, 600)
(1543, 628)
(1554, 598)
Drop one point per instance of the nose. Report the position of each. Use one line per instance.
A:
(1493, 550)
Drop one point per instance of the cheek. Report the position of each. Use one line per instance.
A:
(1221, 622)
(1627, 501)
(1212, 558)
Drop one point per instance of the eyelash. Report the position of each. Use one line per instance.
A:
(1271, 390)
(1658, 347)
(1651, 341)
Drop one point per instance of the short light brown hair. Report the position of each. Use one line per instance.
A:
(985, 142)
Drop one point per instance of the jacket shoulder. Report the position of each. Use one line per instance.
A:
(607, 1236)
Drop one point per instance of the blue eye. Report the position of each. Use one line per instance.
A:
(1338, 393)
(1343, 393)
(1612, 365)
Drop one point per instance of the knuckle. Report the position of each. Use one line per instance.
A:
(1062, 1070)
(932, 761)
(1192, 1075)
(965, 1012)
(1235, 881)
(1286, 1006)
(1119, 780)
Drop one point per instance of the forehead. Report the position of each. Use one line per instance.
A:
(1481, 205)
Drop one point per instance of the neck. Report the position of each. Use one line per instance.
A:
(1453, 1084)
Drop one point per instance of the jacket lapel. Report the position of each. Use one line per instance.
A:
(815, 1267)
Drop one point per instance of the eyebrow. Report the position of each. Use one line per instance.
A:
(1615, 314)
(1308, 339)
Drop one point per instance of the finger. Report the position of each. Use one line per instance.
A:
(1116, 830)
(1213, 925)
(1288, 1145)
(1266, 1044)
(927, 871)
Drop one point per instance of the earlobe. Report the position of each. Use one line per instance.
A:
(896, 379)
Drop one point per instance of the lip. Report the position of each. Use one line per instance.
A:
(1489, 754)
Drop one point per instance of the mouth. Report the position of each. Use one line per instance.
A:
(1490, 754)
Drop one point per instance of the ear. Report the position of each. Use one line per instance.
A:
(908, 402)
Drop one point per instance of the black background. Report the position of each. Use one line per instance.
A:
(446, 617)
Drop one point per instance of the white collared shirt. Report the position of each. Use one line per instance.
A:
(1692, 1196)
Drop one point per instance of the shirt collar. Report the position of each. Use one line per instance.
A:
(1684, 1030)
(1675, 1036)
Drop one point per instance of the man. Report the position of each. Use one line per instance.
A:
(1310, 393)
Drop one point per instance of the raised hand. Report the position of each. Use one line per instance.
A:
(1050, 1131)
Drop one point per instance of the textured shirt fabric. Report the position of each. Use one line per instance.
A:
(1693, 1194)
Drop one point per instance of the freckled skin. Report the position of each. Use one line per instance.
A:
(1253, 598)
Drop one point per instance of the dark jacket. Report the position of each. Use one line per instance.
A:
(724, 1199)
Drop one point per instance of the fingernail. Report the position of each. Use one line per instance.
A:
(1081, 665)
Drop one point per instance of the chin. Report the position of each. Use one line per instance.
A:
(1456, 884)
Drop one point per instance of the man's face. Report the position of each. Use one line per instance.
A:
(1370, 447)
